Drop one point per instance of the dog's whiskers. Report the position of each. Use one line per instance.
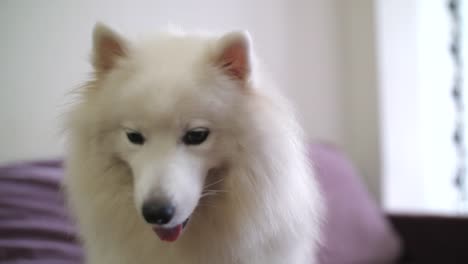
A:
(214, 183)
(212, 192)
(206, 205)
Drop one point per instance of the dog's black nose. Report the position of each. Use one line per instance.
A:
(157, 212)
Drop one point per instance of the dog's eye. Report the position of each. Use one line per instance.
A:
(135, 137)
(196, 136)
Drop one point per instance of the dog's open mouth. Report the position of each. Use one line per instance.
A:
(170, 234)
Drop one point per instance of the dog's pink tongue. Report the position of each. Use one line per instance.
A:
(168, 234)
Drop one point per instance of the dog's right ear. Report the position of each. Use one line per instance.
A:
(108, 48)
(233, 55)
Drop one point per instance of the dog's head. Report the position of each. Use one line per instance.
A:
(167, 108)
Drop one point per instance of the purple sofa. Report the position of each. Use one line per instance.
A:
(34, 225)
(35, 228)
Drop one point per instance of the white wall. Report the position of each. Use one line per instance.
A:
(314, 71)
(45, 45)
(359, 97)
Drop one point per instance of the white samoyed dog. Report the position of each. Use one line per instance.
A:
(179, 151)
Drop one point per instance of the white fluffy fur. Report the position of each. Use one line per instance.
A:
(248, 189)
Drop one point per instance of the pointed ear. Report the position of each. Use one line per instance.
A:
(233, 55)
(108, 47)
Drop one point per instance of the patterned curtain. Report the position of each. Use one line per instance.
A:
(460, 177)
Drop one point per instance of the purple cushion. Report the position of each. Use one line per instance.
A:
(356, 230)
(34, 227)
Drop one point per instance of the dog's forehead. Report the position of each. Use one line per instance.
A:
(170, 79)
(165, 95)
(170, 63)
(168, 54)
(162, 96)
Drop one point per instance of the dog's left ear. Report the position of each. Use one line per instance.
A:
(108, 48)
(233, 55)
